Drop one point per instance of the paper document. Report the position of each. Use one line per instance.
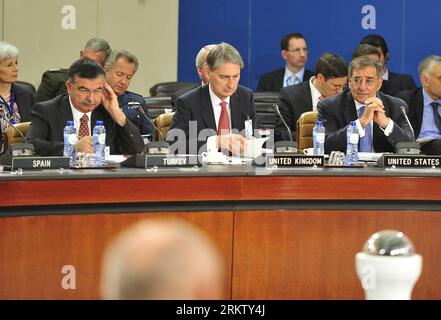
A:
(115, 158)
(369, 156)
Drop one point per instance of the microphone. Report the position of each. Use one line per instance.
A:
(153, 147)
(20, 149)
(284, 146)
(410, 147)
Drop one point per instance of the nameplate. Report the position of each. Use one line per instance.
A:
(172, 161)
(36, 163)
(294, 160)
(409, 161)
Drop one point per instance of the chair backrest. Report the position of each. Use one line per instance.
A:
(27, 84)
(263, 103)
(168, 89)
(163, 122)
(158, 105)
(305, 124)
(12, 136)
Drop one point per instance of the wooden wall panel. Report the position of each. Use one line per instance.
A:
(311, 254)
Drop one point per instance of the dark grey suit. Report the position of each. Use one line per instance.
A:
(273, 81)
(397, 82)
(293, 101)
(49, 118)
(196, 105)
(25, 99)
(338, 111)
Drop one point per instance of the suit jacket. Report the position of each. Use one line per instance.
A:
(196, 105)
(273, 81)
(338, 111)
(25, 99)
(415, 102)
(53, 83)
(397, 82)
(49, 118)
(293, 101)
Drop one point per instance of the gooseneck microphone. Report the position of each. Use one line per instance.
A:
(158, 147)
(408, 147)
(403, 111)
(284, 146)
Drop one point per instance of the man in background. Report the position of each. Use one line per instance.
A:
(162, 260)
(53, 81)
(120, 68)
(295, 53)
(331, 77)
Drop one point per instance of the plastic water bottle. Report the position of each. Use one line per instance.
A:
(352, 144)
(70, 140)
(99, 143)
(318, 137)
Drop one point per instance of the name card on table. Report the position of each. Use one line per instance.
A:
(286, 160)
(409, 161)
(31, 162)
(161, 160)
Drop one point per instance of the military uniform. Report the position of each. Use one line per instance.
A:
(130, 103)
(53, 83)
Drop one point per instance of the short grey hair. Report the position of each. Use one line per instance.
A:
(7, 50)
(223, 53)
(201, 56)
(98, 45)
(364, 62)
(121, 53)
(427, 63)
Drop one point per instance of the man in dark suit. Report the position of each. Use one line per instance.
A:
(392, 82)
(378, 117)
(219, 111)
(424, 113)
(295, 52)
(53, 81)
(331, 77)
(89, 99)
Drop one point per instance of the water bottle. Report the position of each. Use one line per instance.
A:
(318, 137)
(352, 144)
(99, 143)
(70, 140)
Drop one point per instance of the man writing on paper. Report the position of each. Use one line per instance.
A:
(378, 116)
(222, 111)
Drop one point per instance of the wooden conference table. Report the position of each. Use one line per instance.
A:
(285, 234)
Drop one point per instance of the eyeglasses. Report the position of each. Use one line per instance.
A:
(86, 92)
(298, 50)
(359, 80)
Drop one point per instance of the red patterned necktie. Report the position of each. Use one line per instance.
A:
(224, 123)
(84, 126)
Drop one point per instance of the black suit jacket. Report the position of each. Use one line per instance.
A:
(338, 111)
(415, 102)
(196, 106)
(293, 101)
(53, 83)
(49, 119)
(397, 82)
(273, 81)
(25, 99)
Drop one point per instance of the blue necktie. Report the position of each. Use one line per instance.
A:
(288, 81)
(366, 141)
(436, 116)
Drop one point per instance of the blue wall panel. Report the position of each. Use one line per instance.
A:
(255, 27)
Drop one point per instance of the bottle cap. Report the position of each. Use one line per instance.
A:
(70, 123)
(319, 123)
(99, 123)
(353, 123)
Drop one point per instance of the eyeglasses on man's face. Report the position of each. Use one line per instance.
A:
(358, 81)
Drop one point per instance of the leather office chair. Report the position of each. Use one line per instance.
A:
(263, 103)
(305, 124)
(12, 136)
(163, 122)
(158, 105)
(168, 89)
(27, 84)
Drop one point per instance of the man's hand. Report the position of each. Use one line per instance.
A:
(85, 144)
(110, 102)
(379, 115)
(234, 143)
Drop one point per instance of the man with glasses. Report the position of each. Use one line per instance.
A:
(295, 52)
(89, 99)
(378, 116)
(331, 77)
